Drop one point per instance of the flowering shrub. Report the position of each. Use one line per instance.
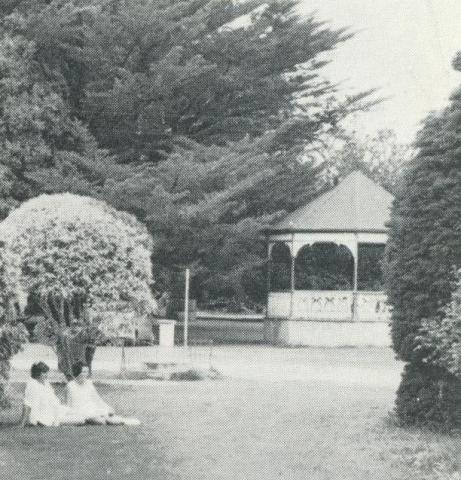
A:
(12, 334)
(78, 257)
(11, 339)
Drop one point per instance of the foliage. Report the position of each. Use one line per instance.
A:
(324, 266)
(370, 267)
(42, 147)
(442, 336)
(76, 247)
(424, 231)
(429, 396)
(205, 207)
(424, 251)
(381, 157)
(78, 256)
(208, 70)
(212, 133)
(12, 333)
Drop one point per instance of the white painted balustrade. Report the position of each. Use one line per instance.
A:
(329, 306)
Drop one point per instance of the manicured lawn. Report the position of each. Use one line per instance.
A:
(234, 429)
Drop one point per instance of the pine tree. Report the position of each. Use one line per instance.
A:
(142, 73)
(210, 129)
(206, 207)
(42, 146)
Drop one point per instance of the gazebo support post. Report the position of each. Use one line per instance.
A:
(268, 276)
(355, 284)
(292, 274)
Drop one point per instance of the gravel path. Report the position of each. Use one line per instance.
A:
(375, 367)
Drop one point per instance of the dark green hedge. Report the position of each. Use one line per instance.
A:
(425, 232)
(423, 250)
(429, 396)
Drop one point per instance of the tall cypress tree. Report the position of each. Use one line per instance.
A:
(240, 81)
(142, 73)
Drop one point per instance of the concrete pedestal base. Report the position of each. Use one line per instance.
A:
(326, 334)
(166, 332)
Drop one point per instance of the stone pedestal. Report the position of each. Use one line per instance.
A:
(166, 332)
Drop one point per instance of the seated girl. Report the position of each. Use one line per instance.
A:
(41, 405)
(84, 401)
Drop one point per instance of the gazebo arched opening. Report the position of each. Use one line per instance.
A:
(370, 267)
(280, 268)
(324, 266)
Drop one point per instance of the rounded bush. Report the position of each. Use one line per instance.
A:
(429, 396)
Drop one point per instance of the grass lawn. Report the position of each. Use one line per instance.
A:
(233, 429)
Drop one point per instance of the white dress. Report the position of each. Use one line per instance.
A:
(45, 407)
(83, 400)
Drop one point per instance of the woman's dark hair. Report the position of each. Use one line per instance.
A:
(37, 369)
(77, 369)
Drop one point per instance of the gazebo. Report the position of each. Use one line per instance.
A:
(325, 277)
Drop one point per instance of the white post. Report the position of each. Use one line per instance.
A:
(123, 361)
(186, 308)
(292, 272)
(355, 316)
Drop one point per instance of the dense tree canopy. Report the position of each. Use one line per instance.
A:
(205, 206)
(142, 72)
(202, 118)
(42, 147)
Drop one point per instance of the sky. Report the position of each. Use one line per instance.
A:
(402, 47)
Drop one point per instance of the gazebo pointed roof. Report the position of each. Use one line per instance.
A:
(357, 204)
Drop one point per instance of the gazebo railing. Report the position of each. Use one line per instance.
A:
(329, 305)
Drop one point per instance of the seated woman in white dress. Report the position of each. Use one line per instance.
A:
(84, 401)
(41, 405)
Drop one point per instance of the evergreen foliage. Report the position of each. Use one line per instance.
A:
(442, 336)
(324, 266)
(429, 396)
(424, 250)
(424, 246)
(42, 146)
(141, 73)
(206, 206)
(183, 113)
